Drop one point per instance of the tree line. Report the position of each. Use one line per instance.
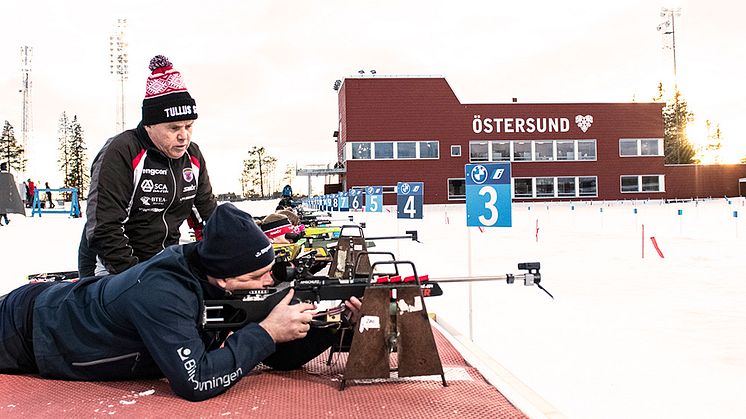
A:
(258, 175)
(72, 159)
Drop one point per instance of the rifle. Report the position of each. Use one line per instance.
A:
(251, 306)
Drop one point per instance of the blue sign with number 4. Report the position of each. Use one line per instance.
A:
(488, 198)
(409, 199)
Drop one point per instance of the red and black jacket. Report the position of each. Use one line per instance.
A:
(139, 198)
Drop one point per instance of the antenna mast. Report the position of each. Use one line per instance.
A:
(119, 67)
(27, 117)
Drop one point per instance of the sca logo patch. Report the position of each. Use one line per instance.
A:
(188, 175)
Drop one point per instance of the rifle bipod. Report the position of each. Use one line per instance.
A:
(393, 318)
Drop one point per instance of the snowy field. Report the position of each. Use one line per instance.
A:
(625, 337)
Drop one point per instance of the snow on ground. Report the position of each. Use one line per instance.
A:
(625, 337)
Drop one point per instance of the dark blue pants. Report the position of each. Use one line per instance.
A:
(16, 342)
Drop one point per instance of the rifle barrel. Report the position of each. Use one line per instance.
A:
(456, 279)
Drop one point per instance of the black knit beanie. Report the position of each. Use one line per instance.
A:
(166, 96)
(232, 244)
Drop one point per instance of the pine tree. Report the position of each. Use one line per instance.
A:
(10, 150)
(78, 161)
(64, 134)
(257, 172)
(676, 145)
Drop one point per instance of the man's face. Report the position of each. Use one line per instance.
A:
(260, 278)
(172, 138)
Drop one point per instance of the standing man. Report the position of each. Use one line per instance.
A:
(146, 181)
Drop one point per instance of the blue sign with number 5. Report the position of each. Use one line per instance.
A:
(374, 199)
(488, 198)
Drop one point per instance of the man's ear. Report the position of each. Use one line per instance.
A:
(221, 282)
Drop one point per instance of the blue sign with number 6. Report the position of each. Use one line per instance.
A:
(488, 198)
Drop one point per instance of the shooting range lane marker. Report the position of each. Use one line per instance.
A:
(657, 249)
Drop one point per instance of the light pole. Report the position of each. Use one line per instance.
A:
(119, 67)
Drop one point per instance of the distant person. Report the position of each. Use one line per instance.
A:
(30, 197)
(3, 214)
(276, 226)
(117, 327)
(49, 195)
(146, 181)
(287, 198)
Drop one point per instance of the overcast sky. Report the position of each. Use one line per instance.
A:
(262, 71)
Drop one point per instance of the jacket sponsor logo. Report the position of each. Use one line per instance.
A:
(188, 174)
(152, 200)
(148, 186)
(190, 366)
(186, 198)
(153, 172)
(190, 188)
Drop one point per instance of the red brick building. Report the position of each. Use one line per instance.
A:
(416, 129)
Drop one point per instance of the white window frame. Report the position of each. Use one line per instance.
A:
(638, 147)
(661, 183)
(448, 189)
(456, 147)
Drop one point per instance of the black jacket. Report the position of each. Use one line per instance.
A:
(117, 327)
(139, 198)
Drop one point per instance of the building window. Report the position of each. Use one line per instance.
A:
(544, 150)
(500, 151)
(455, 151)
(544, 187)
(650, 147)
(586, 149)
(628, 147)
(565, 150)
(634, 147)
(429, 150)
(522, 150)
(642, 183)
(523, 187)
(650, 184)
(587, 186)
(566, 186)
(406, 150)
(360, 151)
(456, 189)
(630, 184)
(478, 151)
(384, 150)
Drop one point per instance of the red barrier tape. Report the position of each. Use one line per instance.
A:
(657, 249)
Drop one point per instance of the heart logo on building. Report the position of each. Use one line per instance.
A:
(584, 121)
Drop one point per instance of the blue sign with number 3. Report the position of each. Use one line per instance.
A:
(488, 198)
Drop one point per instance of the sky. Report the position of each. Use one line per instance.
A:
(626, 336)
(262, 72)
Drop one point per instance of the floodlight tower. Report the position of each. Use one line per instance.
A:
(27, 117)
(119, 67)
(668, 28)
